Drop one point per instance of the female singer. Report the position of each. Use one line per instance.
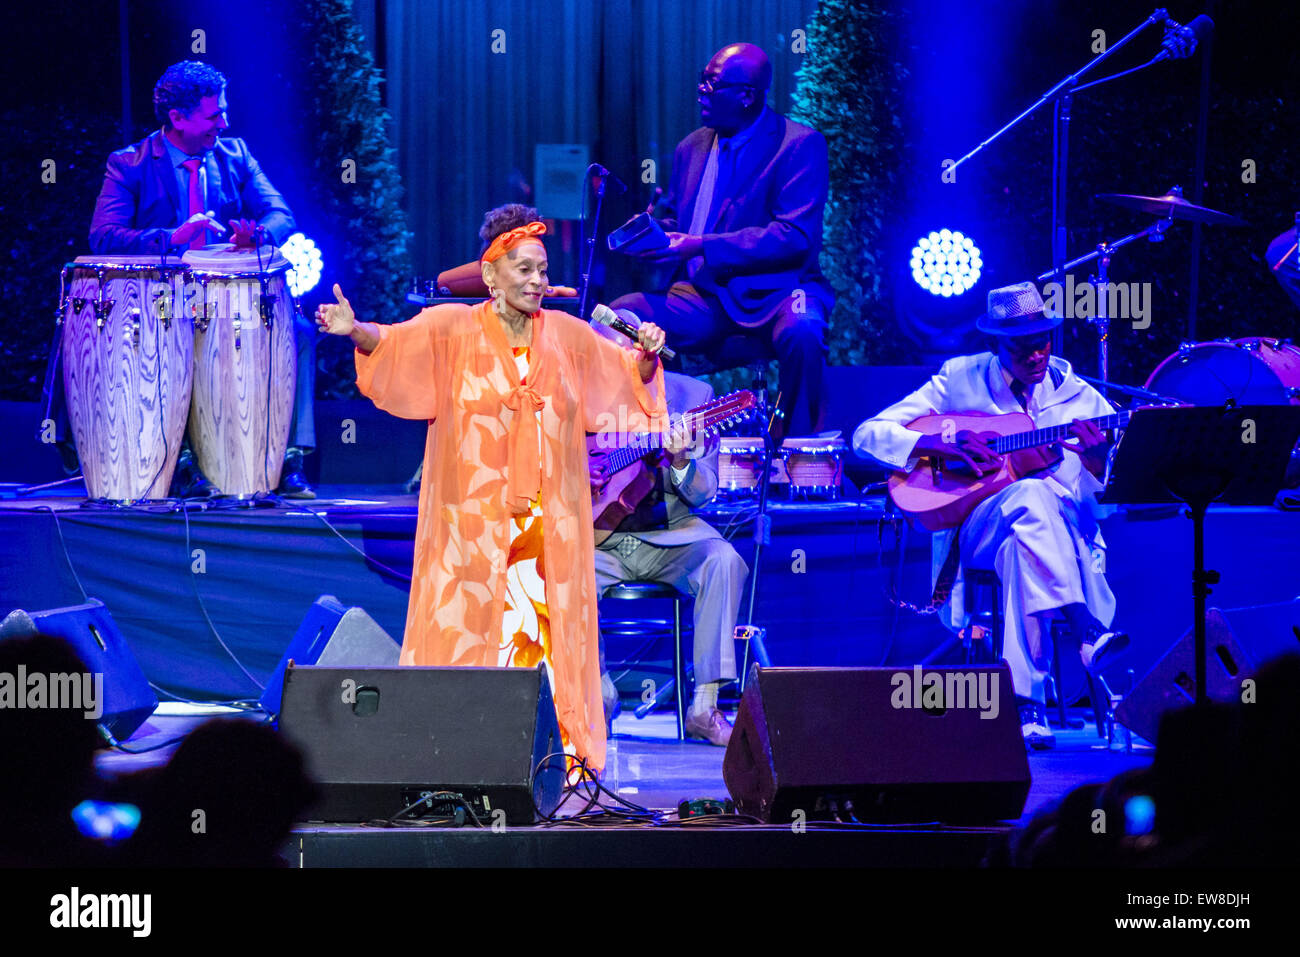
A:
(504, 570)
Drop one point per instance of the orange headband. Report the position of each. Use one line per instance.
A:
(510, 239)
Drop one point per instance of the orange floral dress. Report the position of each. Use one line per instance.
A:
(506, 487)
(526, 624)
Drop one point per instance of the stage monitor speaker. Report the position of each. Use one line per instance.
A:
(332, 634)
(379, 739)
(1266, 630)
(878, 744)
(128, 700)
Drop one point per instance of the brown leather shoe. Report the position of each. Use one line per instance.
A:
(712, 727)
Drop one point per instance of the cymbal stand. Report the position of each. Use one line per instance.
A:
(1101, 282)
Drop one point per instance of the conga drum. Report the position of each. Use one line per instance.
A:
(244, 367)
(128, 360)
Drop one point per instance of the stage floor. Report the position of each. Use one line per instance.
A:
(649, 767)
(208, 599)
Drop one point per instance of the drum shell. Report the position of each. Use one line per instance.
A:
(740, 467)
(815, 467)
(127, 372)
(244, 378)
(1251, 371)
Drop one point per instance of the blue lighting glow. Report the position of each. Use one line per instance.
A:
(106, 822)
(946, 263)
(305, 259)
(1139, 815)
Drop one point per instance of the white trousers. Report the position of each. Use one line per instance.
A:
(1047, 553)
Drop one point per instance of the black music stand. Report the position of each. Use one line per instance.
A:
(1235, 455)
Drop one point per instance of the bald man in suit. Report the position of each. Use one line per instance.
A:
(743, 215)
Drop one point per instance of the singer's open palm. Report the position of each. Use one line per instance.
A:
(336, 318)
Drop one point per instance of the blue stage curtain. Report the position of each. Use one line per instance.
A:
(619, 77)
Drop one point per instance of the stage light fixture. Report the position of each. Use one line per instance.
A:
(946, 263)
(305, 259)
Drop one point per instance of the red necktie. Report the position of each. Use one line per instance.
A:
(196, 200)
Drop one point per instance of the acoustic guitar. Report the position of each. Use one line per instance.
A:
(939, 495)
(623, 467)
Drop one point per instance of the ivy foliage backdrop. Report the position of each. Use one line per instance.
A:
(850, 90)
(354, 186)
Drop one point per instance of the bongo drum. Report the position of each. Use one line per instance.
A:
(815, 467)
(740, 468)
(244, 366)
(128, 360)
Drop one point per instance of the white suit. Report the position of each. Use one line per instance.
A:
(1039, 534)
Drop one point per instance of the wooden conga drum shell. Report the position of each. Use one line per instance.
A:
(244, 377)
(127, 372)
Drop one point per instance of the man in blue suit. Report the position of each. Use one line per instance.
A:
(173, 190)
(743, 213)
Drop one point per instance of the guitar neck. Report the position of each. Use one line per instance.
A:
(636, 448)
(638, 444)
(1054, 433)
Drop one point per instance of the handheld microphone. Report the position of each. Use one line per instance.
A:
(1180, 41)
(659, 191)
(608, 317)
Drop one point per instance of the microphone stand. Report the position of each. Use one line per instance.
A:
(591, 245)
(1059, 95)
(753, 635)
(1101, 283)
(1131, 390)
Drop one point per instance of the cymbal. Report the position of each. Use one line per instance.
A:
(1173, 206)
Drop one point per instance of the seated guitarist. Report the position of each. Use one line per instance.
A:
(664, 541)
(1039, 534)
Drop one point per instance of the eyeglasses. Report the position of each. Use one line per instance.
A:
(1022, 347)
(708, 84)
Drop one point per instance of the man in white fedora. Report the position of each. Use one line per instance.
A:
(1039, 534)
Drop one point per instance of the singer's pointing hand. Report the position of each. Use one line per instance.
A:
(336, 318)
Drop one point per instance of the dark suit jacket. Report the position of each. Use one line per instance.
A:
(698, 485)
(136, 209)
(768, 233)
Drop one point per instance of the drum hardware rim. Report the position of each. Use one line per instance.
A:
(207, 275)
(834, 491)
(102, 306)
(101, 265)
(164, 301)
(236, 324)
(135, 328)
(834, 453)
